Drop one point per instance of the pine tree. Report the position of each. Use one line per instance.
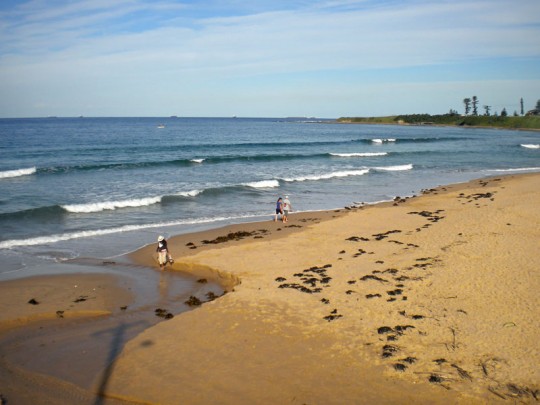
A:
(467, 102)
(474, 105)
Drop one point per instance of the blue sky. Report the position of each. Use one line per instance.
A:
(266, 58)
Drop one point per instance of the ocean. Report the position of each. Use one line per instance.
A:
(102, 187)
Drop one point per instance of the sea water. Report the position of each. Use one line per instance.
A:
(102, 187)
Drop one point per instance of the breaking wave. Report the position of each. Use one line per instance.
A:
(263, 184)
(519, 169)
(378, 140)
(17, 173)
(327, 176)
(360, 154)
(395, 168)
(48, 239)
(110, 205)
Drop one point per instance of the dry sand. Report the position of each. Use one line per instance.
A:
(427, 300)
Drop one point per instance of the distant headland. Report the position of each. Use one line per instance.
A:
(529, 122)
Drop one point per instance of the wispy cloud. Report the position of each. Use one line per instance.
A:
(126, 42)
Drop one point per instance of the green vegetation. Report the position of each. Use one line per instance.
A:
(530, 120)
(495, 121)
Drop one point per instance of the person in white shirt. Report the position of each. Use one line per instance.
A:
(287, 207)
(163, 252)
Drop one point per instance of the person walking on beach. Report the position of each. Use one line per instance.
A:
(163, 252)
(286, 208)
(279, 209)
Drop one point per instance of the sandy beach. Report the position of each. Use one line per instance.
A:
(428, 300)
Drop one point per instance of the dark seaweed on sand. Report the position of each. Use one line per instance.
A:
(232, 236)
(313, 277)
(193, 301)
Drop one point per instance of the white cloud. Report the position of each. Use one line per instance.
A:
(59, 52)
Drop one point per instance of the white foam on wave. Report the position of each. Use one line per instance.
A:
(192, 193)
(327, 176)
(110, 205)
(46, 240)
(360, 154)
(17, 173)
(197, 160)
(520, 169)
(395, 168)
(530, 146)
(379, 140)
(263, 184)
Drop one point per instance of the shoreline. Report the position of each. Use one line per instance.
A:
(269, 333)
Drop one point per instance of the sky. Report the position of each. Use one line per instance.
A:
(266, 58)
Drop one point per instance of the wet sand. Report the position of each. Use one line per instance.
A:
(427, 300)
(59, 334)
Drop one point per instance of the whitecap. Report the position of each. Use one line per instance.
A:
(45, 240)
(197, 160)
(263, 184)
(395, 168)
(17, 173)
(111, 205)
(191, 193)
(327, 176)
(379, 141)
(530, 146)
(519, 169)
(360, 154)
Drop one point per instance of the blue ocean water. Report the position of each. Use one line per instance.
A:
(100, 187)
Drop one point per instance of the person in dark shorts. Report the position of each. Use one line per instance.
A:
(279, 209)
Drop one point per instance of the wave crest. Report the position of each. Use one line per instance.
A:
(530, 146)
(397, 168)
(17, 173)
(110, 205)
(263, 184)
(518, 169)
(378, 140)
(360, 154)
(327, 176)
(192, 193)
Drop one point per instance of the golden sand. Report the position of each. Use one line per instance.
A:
(427, 300)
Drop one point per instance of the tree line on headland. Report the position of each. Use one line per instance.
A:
(528, 120)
